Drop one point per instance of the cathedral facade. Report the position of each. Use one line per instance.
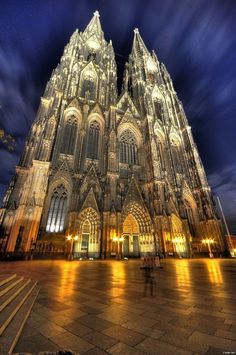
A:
(115, 174)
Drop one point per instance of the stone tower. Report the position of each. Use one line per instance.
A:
(121, 173)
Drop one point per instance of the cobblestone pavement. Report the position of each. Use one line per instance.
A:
(99, 307)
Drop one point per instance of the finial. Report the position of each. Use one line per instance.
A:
(96, 13)
(136, 30)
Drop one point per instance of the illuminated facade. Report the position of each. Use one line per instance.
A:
(120, 172)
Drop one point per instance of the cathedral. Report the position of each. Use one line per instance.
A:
(106, 174)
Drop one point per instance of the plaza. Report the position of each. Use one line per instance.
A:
(99, 307)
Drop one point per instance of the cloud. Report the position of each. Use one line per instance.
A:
(18, 95)
(223, 184)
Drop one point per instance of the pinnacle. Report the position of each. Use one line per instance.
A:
(138, 43)
(96, 13)
(94, 26)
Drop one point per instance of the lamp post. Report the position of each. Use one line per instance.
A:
(118, 240)
(209, 241)
(71, 239)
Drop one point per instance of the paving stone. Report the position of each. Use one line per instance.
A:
(53, 304)
(225, 334)
(215, 351)
(153, 346)
(72, 313)
(70, 341)
(33, 343)
(115, 318)
(94, 322)
(50, 329)
(28, 331)
(121, 348)
(78, 328)
(101, 340)
(89, 310)
(96, 351)
(189, 306)
(205, 341)
(124, 335)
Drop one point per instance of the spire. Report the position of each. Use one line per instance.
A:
(138, 44)
(94, 26)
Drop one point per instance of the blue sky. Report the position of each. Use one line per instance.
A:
(195, 40)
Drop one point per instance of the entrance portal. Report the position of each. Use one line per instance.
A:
(131, 237)
(88, 243)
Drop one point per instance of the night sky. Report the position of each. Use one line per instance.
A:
(196, 40)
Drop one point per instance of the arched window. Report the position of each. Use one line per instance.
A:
(158, 109)
(175, 151)
(88, 89)
(128, 148)
(69, 136)
(93, 140)
(57, 210)
(161, 154)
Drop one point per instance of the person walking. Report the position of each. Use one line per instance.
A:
(149, 279)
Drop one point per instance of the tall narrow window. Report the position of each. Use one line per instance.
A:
(57, 210)
(128, 148)
(93, 140)
(177, 162)
(88, 88)
(158, 110)
(69, 136)
(161, 155)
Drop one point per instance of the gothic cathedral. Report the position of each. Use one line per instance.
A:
(117, 173)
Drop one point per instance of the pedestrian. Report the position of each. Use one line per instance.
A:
(149, 279)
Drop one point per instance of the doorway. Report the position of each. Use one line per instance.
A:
(131, 247)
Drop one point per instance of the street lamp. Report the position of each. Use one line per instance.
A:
(118, 240)
(71, 239)
(209, 241)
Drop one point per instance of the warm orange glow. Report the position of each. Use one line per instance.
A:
(183, 276)
(66, 280)
(208, 241)
(117, 239)
(214, 271)
(69, 237)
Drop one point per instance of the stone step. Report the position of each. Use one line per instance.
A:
(7, 298)
(5, 280)
(12, 333)
(9, 311)
(9, 285)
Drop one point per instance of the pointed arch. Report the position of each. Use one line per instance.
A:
(89, 82)
(57, 209)
(128, 148)
(50, 126)
(89, 214)
(176, 151)
(140, 214)
(93, 140)
(69, 136)
(88, 225)
(130, 127)
(95, 134)
(190, 209)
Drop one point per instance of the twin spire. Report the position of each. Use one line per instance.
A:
(138, 44)
(94, 28)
